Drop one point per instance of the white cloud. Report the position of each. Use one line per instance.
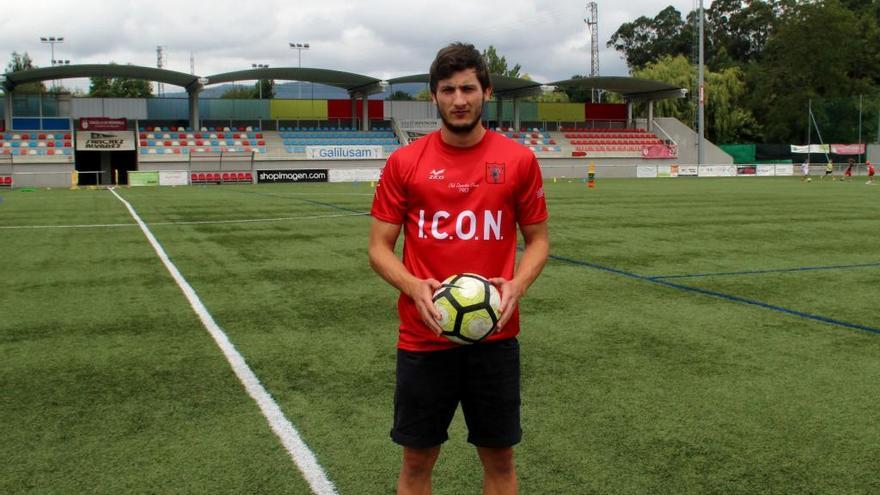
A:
(381, 38)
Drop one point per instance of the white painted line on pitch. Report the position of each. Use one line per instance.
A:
(302, 456)
(194, 222)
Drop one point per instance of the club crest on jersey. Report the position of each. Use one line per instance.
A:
(495, 173)
(436, 174)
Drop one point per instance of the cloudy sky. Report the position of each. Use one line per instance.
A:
(380, 38)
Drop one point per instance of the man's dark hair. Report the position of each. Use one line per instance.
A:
(457, 57)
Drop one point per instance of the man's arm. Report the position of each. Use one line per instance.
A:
(383, 237)
(537, 241)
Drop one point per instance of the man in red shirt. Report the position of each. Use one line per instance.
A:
(459, 195)
(870, 172)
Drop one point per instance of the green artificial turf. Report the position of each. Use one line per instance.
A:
(633, 381)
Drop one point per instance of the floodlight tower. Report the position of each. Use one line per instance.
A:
(592, 22)
(299, 47)
(51, 41)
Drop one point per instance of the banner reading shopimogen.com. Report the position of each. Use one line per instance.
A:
(104, 140)
(299, 175)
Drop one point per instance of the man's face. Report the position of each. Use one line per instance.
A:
(460, 101)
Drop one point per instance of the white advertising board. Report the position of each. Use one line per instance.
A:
(646, 171)
(354, 175)
(344, 152)
(173, 178)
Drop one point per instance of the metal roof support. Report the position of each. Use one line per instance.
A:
(499, 108)
(650, 116)
(8, 113)
(194, 110)
(516, 122)
(366, 117)
(354, 112)
(629, 114)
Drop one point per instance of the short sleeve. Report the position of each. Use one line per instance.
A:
(531, 204)
(389, 201)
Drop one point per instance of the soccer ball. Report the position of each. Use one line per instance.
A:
(809, 179)
(468, 306)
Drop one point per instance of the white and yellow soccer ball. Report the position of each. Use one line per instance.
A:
(468, 305)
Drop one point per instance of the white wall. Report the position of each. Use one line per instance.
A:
(128, 108)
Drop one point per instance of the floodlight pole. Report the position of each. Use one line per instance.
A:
(51, 40)
(260, 82)
(299, 47)
(702, 97)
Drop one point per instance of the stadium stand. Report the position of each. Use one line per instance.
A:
(296, 139)
(36, 143)
(181, 142)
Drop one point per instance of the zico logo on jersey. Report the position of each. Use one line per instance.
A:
(466, 225)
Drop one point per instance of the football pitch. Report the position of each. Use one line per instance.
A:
(705, 336)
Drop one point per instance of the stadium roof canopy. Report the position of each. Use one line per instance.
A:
(631, 88)
(184, 80)
(503, 86)
(355, 84)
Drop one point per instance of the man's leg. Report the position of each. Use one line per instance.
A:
(415, 471)
(499, 471)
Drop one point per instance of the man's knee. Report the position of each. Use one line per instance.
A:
(498, 461)
(419, 462)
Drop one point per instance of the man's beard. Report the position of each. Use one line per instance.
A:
(461, 128)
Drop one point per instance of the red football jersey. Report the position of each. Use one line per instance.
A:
(459, 208)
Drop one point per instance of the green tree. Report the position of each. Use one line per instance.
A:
(119, 87)
(240, 93)
(646, 40)
(498, 64)
(824, 50)
(400, 95)
(267, 86)
(23, 61)
(577, 94)
(727, 121)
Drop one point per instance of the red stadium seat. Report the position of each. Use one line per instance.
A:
(226, 177)
(248, 177)
(193, 177)
(241, 177)
(202, 178)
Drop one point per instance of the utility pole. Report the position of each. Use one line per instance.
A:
(702, 96)
(592, 22)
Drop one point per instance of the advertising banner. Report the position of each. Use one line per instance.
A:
(718, 171)
(102, 124)
(667, 170)
(344, 152)
(813, 148)
(105, 141)
(136, 178)
(848, 149)
(766, 170)
(746, 171)
(646, 171)
(688, 171)
(354, 175)
(784, 170)
(173, 178)
(298, 175)
(659, 151)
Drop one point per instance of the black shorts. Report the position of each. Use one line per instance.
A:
(484, 378)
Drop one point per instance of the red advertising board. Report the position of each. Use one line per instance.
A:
(341, 109)
(102, 124)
